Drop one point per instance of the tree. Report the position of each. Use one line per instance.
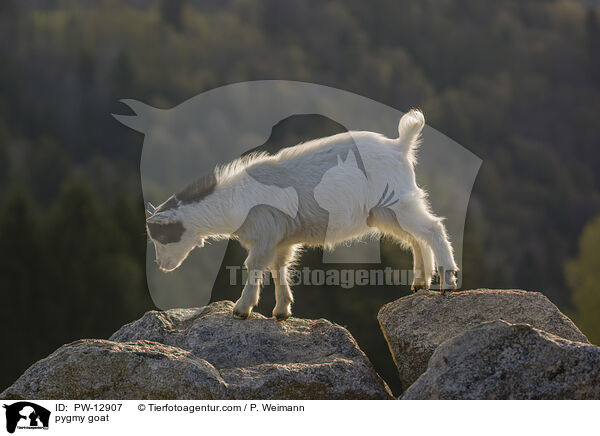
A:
(97, 284)
(171, 12)
(4, 157)
(123, 76)
(593, 45)
(47, 163)
(581, 277)
(21, 282)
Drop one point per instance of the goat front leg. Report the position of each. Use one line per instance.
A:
(283, 293)
(257, 261)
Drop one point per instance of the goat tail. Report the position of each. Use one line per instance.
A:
(409, 130)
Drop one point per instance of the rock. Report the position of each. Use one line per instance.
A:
(99, 369)
(207, 354)
(414, 326)
(498, 360)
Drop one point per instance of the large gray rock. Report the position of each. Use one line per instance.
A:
(498, 360)
(207, 354)
(99, 369)
(414, 326)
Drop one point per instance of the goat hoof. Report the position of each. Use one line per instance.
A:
(448, 281)
(240, 315)
(282, 315)
(242, 310)
(418, 287)
(448, 290)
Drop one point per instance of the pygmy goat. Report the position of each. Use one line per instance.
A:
(319, 193)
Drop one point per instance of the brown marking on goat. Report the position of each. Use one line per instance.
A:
(197, 190)
(166, 233)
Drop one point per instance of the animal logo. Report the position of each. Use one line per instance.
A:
(207, 133)
(26, 415)
(348, 181)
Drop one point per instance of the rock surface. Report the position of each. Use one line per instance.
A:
(99, 369)
(207, 354)
(414, 326)
(498, 360)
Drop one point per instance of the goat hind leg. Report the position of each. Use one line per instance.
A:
(446, 267)
(424, 264)
(430, 229)
(419, 281)
(428, 263)
(386, 221)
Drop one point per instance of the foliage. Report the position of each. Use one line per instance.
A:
(581, 276)
(66, 273)
(517, 83)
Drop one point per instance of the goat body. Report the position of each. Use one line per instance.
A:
(320, 193)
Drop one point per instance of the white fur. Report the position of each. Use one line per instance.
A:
(316, 194)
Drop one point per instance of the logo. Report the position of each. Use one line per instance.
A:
(26, 415)
(218, 126)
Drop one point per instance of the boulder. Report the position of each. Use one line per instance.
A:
(205, 353)
(99, 369)
(414, 326)
(499, 360)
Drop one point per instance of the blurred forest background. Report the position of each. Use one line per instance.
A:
(515, 82)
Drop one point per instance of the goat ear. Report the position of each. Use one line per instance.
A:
(150, 210)
(166, 217)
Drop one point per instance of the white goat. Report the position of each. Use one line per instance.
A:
(319, 193)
